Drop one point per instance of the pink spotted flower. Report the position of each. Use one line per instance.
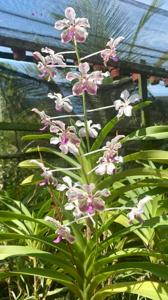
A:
(74, 28)
(86, 82)
(110, 52)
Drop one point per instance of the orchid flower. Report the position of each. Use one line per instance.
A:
(86, 82)
(136, 212)
(47, 64)
(66, 138)
(89, 201)
(45, 119)
(107, 163)
(67, 184)
(83, 199)
(61, 102)
(52, 57)
(124, 106)
(110, 53)
(75, 28)
(47, 174)
(90, 127)
(63, 232)
(55, 126)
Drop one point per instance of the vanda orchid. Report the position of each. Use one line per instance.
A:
(83, 197)
(89, 234)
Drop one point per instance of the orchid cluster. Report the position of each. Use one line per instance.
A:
(82, 199)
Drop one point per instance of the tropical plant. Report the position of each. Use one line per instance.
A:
(107, 212)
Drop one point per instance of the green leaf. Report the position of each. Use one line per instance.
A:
(46, 241)
(70, 160)
(103, 133)
(128, 252)
(155, 222)
(32, 179)
(135, 172)
(154, 155)
(11, 251)
(30, 137)
(46, 273)
(150, 289)
(28, 164)
(148, 133)
(140, 184)
(106, 272)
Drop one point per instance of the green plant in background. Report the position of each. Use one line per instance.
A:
(98, 231)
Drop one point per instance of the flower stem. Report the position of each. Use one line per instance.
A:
(90, 55)
(84, 100)
(85, 121)
(77, 51)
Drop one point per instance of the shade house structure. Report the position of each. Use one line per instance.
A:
(28, 26)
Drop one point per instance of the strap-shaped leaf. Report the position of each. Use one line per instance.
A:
(140, 184)
(155, 222)
(67, 158)
(154, 155)
(103, 133)
(160, 271)
(34, 137)
(149, 133)
(46, 241)
(150, 289)
(135, 172)
(46, 273)
(66, 265)
(128, 252)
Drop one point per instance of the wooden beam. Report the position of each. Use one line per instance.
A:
(125, 66)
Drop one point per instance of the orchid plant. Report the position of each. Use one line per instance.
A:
(89, 258)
